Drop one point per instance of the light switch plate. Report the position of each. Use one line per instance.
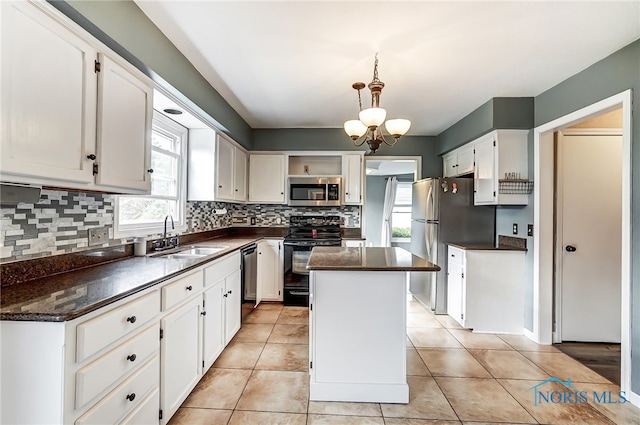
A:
(98, 235)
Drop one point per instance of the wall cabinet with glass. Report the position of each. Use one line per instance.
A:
(92, 129)
(217, 168)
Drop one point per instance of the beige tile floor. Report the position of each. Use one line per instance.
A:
(454, 376)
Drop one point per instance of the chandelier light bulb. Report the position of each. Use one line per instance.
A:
(397, 127)
(355, 128)
(373, 117)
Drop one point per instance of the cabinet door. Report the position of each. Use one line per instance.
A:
(233, 305)
(125, 112)
(225, 189)
(240, 179)
(455, 295)
(352, 172)
(270, 269)
(48, 98)
(449, 162)
(213, 326)
(465, 160)
(180, 358)
(484, 173)
(267, 178)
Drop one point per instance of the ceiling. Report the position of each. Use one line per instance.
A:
(290, 64)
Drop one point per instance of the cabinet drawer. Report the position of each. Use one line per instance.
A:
(124, 398)
(456, 255)
(99, 332)
(181, 289)
(221, 268)
(94, 378)
(146, 413)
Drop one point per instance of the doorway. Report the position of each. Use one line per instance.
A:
(544, 201)
(407, 169)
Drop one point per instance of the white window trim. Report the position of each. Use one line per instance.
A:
(399, 240)
(180, 225)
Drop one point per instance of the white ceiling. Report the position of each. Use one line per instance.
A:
(290, 64)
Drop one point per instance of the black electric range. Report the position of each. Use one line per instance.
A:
(305, 232)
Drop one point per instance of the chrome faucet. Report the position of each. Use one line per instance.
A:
(164, 235)
(166, 243)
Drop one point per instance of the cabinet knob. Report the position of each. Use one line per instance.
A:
(131, 358)
(281, 193)
(204, 313)
(91, 157)
(131, 396)
(132, 319)
(229, 292)
(219, 186)
(189, 288)
(150, 171)
(346, 193)
(225, 295)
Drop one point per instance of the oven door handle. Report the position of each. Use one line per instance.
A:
(293, 243)
(299, 292)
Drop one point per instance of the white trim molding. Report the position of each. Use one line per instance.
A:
(543, 270)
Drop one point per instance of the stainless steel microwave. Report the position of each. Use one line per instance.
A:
(314, 191)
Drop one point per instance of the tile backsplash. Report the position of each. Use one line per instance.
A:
(58, 223)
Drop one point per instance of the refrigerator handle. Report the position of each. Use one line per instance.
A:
(427, 239)
(431, 203)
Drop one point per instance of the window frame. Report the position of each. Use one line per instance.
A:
(397, 239)
(165, 125)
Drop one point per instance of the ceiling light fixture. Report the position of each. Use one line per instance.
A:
(371, 119)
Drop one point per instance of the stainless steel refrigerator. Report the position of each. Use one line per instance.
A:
(443, 212)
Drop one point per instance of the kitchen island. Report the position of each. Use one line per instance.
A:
(357, 327)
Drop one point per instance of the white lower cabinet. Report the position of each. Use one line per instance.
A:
(180, 348)
(270, 269)
(131, 362)
(485, 289)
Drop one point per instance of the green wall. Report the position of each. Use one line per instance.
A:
(612, 75)
(302, 139)
(515, 113)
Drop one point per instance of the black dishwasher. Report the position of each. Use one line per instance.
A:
(249, 273)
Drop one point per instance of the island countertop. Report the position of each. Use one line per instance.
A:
(367, 259)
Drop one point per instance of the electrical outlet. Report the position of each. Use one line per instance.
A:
(515, 228)
(98, 235)
(530, 230)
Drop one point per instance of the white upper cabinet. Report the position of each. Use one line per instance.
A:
(501, 168)
(125, 106)
(352, 178)
(217, 168)
(62, 114)
(267, 178)
(48, 98)
(458, 162)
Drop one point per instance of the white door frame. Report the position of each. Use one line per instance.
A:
(543, 254)
(559, 248)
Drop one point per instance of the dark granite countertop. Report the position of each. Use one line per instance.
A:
(367, 259)
(69, 295)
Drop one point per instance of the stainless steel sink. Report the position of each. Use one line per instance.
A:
(192, 252)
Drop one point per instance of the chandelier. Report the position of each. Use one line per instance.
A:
(371, 119)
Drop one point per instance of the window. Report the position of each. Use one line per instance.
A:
(144, 215)
(401, 213)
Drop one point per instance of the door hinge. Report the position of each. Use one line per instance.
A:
(278, 293)
(203, 364)
(463, 275)
(494, 143)
(160, 416)
(311, 307)
(96, 67)
(310, 365)
(494, 193)
(462, 316)
(95, 169)
(161, 334)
